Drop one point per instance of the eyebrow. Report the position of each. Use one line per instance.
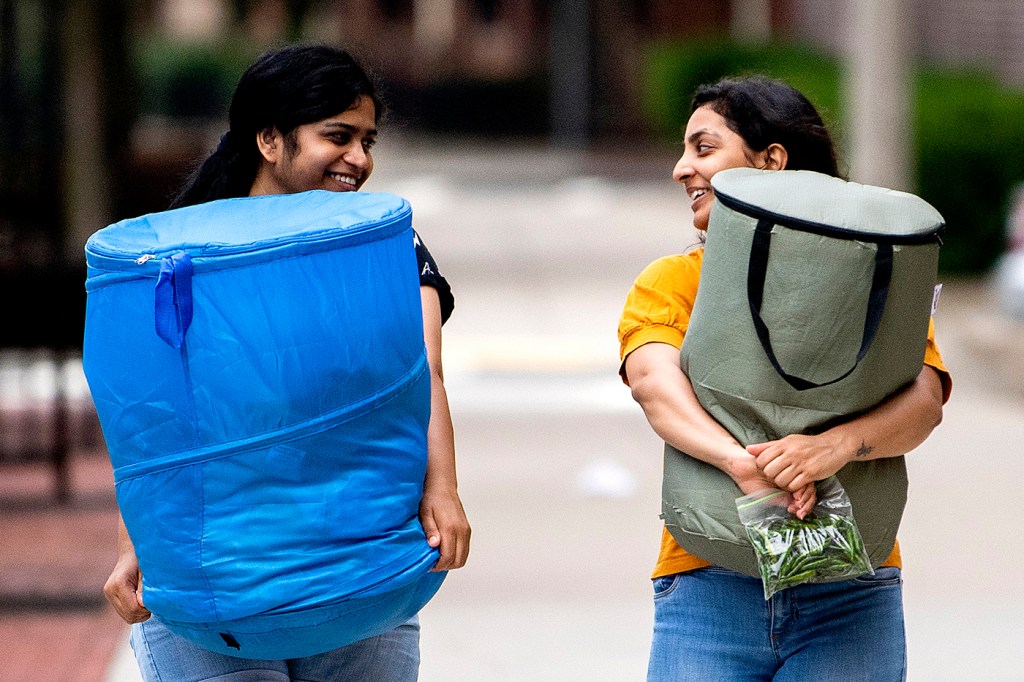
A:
(695, 135)
(369, 132)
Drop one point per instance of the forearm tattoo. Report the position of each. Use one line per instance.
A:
(864, 450)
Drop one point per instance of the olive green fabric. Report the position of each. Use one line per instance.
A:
(827, 244)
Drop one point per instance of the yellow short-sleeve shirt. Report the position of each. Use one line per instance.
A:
(658, 309)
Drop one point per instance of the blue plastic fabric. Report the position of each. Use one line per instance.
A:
(259, 372)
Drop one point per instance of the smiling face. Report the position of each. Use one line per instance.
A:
(333, 154)
(711, 146)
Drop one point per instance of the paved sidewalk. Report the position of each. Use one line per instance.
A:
(54, 623)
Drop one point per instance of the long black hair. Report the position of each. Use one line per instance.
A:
(282, 89)
(764, 111)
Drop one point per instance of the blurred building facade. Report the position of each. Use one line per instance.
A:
(987, 34)
(571, 69)
(432, 39)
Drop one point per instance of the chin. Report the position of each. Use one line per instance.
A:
(701, 220)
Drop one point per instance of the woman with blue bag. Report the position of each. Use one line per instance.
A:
(305, 118)
(712, 622)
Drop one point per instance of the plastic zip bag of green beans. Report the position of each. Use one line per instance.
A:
(824, 546)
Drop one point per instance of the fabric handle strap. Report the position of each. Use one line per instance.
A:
(756, 274)
(173, 304)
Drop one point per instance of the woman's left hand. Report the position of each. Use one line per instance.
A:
(796, 461)
(441, 513)
(447, 528)
(892, 428)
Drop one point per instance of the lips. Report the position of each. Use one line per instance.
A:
(347, 182)
(696, 195)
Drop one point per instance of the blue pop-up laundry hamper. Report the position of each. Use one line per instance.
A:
(259, 372)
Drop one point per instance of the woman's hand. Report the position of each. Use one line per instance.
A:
(447, 528)
(794, 462)
(891, 429)
(441, 513)
(747, 476)
(123, 588)
(750, 478)
(803, 500)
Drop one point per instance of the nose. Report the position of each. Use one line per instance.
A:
(683, 170)
(357, 156)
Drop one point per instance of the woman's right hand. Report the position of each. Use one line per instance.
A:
(746, 475)
(750, 479)
(803, 501)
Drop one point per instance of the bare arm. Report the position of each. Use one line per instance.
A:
(441, 512)
(123, 588)
(893, 428)
(664, 392)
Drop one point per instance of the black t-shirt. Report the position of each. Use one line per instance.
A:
(430, 276)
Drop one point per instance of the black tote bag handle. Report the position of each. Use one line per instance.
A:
(758, 270)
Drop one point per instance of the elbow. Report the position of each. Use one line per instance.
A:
(635, 391)
(924, 398)
(650, 373)
(928, 420)
(640, 389)
(648, 393)
(934, 397)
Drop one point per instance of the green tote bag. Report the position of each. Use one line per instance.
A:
(813, 306)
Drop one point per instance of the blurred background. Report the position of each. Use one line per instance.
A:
(535, 141)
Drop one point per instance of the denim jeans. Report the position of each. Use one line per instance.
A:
(713, 625)
(164, 656)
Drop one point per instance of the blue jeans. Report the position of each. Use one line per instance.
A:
(713, 624)
(166, 657)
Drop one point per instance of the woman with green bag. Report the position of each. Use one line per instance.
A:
(712, 622)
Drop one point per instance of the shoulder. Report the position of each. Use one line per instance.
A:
(658, 305)
(677, 273)
(675, 266)
(430, 276)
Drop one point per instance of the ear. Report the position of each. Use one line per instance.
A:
(270, 142)
(775, 157)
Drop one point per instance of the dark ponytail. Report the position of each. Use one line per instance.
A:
(283, 89)
(764, 111)
(225, 173)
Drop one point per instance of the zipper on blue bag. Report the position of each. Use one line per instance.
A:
(325, 236)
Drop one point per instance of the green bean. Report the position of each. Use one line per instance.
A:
(792, 551)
